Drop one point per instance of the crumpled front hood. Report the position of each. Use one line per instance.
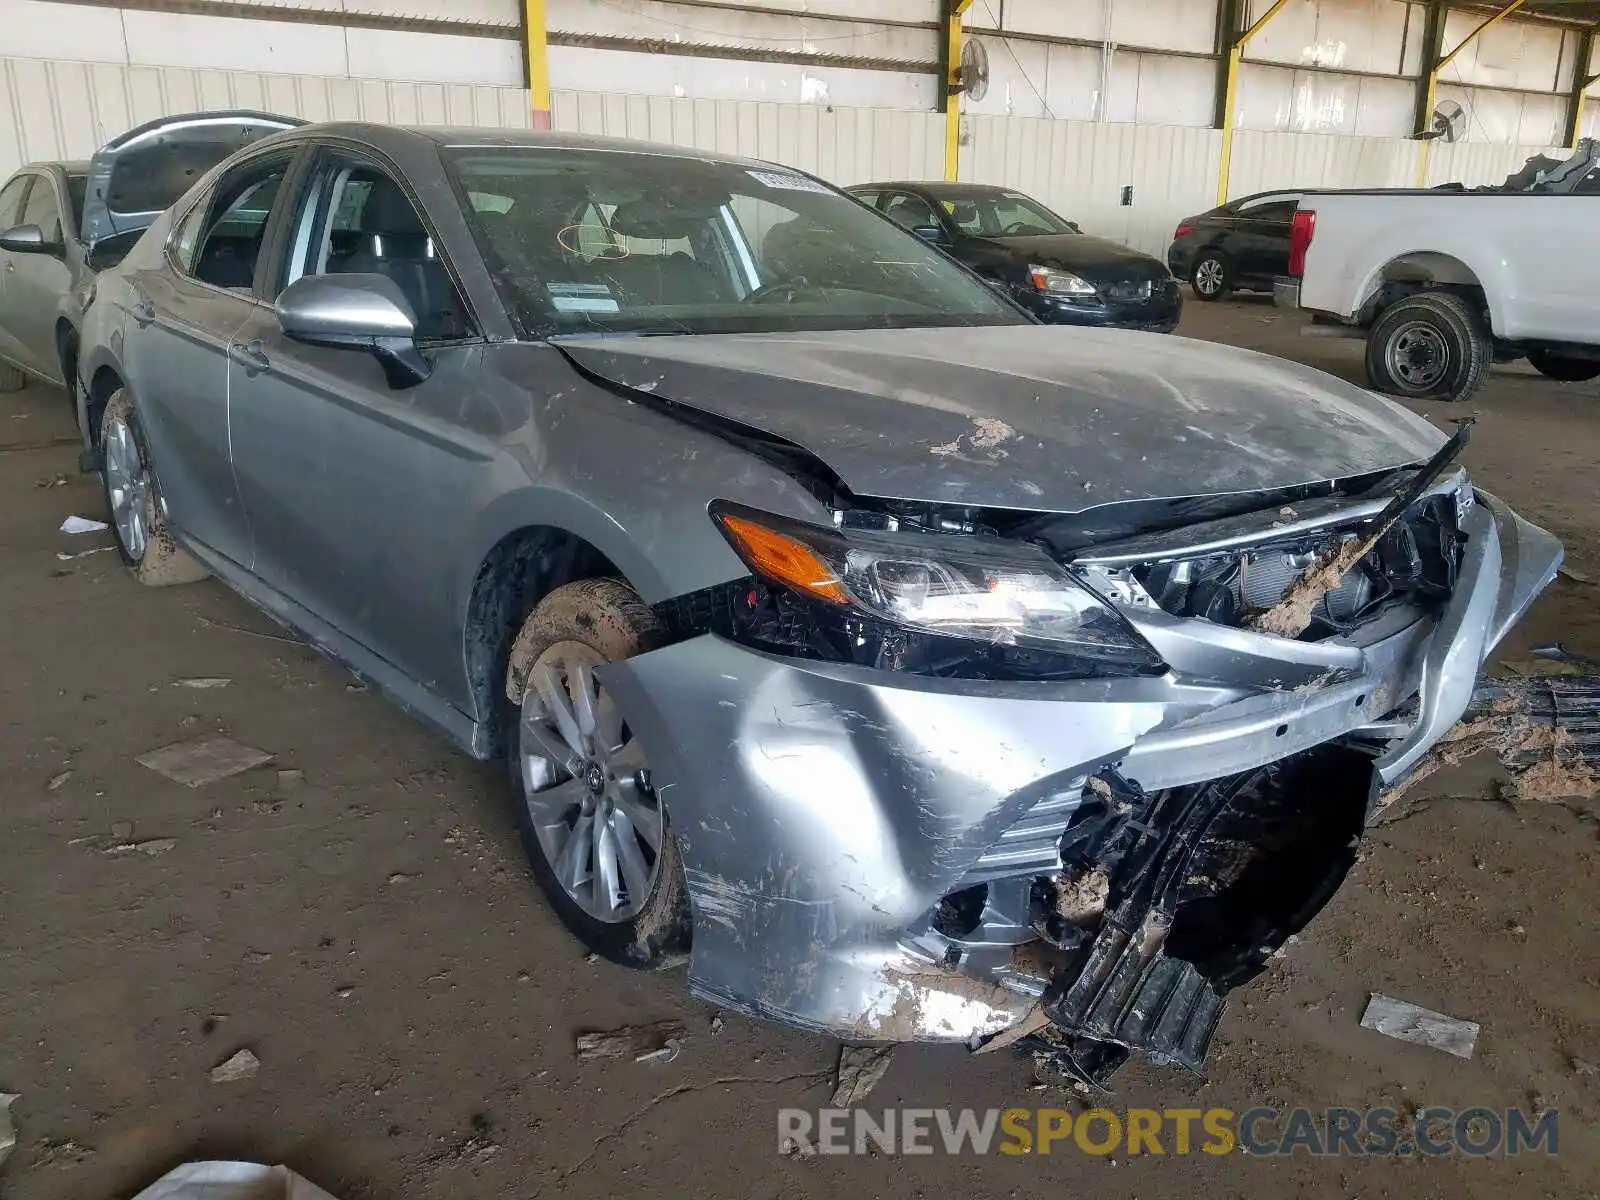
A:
(1025, 417)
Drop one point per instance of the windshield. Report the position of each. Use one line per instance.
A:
(640, 242)
(987, 213)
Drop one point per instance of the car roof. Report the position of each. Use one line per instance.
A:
(938, 187)
(73, 167)
(402, 137)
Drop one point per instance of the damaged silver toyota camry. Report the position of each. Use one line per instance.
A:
(920, 671)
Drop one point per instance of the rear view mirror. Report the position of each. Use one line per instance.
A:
(356, 312)
(28, 239)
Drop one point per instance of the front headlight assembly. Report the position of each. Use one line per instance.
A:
(957, 606)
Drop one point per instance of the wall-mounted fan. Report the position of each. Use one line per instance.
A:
(972, 75)
(1449, 122)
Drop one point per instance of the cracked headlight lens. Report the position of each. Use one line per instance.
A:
(983, 591)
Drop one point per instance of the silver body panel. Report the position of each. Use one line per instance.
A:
(821, 809)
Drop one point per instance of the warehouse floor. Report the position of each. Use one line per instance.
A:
(368, 930)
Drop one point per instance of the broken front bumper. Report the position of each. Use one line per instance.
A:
(824, 810)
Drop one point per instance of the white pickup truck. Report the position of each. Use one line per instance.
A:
(1442, 283)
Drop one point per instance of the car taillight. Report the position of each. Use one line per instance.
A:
(1300, 233)
(1181, 230)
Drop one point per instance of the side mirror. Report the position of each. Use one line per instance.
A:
(29, 239)
(931, 233)
(356, 312)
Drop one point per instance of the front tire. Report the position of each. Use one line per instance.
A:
(1429, 346)
(592, 826)
(1212, 277)
(133, 499)
(1562, 367)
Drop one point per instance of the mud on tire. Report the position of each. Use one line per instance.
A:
(1429, 346)
(162, 562)
(607, 617)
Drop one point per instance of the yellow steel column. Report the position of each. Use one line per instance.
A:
(952, 80)
(1230, 91)
(1433, 80)
(537, 52)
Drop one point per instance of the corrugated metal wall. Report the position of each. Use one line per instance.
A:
(51, 110)
(1079, 168)
(54, 110)
(843, 145)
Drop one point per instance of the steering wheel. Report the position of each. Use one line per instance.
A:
(1021, 227)
(781, 291)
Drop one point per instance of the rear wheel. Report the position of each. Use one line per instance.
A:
(1563, 367)
(1211, 278)
(592, 825)
(133, 498)
(1429, 346)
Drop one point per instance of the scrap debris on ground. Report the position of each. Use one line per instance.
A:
(204, 760)
(654, 1043)
(860, 1069)
(1406, 1022)
(241, 1066)
(1544, 729)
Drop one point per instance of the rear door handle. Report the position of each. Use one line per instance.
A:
(250, 357)
(143, 312)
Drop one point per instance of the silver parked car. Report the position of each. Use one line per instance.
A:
(60, 222)
(917, 669)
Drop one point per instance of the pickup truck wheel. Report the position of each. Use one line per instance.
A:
(1429, 346)
(133, 498)
(1563, 367)
(11, 379)
(592, 825)
(1211, 277)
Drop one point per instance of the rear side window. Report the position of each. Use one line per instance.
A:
(11, 200)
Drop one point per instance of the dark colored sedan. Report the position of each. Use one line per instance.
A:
(1045, 263)
(1241, 245)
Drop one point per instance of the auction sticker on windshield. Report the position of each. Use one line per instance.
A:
(787, 182)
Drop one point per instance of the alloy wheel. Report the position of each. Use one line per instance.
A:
(1208, 276)
(587, 786)
(128, 486)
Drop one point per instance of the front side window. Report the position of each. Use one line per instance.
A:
(11, 201)
(910, 212)
(581, 240)
(982, 212)
(236, 223)
(43, 210)
(355, 219)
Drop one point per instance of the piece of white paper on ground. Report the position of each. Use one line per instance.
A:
(232, 1181)
(8, 1131)
(204, 760)
(1406, 1022)
(82, 525)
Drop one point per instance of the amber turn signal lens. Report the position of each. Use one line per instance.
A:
(784, 560)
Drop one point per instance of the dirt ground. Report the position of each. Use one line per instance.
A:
(369, 930)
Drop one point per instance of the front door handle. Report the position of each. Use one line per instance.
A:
(250, 357)
(143, 312)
